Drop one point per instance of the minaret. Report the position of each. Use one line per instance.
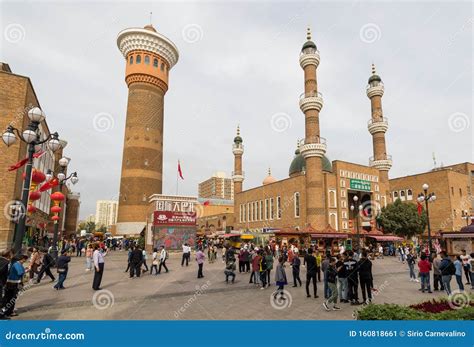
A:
(314, 146)
(149, 56)
(238, 174)
(377, 126)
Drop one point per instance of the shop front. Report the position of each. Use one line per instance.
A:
(458, 241)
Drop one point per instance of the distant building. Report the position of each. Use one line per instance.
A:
(72, 213)
(218, 186)
(106, 213)
(90, 218)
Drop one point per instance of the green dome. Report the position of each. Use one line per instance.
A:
(374, 78)
(237, 139)
(309, 44)
(298, 164)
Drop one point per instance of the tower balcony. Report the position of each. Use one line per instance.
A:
(375, 89)
(238, 149)
(377, 125)
(384, 163)
(309, 57)
(238, 176)
(311, 101)
(313, 147)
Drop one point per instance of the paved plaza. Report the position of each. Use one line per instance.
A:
(180, 295)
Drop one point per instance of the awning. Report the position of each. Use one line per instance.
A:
(246, 237)
(458, 235)
(329, 236)
(230, 235)
(385, 237)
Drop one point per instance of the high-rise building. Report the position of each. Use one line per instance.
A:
(106, 213)
(149, 57)
(218, 186)
(73, 204)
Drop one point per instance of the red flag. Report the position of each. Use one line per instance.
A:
(24, 161)
(179, 171)
(48, 185)
(206, 203)
(420, 208)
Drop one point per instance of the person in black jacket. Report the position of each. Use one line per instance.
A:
(331, 276)
(4, 261)
(63, 268)
(352, 269)
(136, 259)
(48, 262)
(311, 271)
(365, 277)
(295, 265)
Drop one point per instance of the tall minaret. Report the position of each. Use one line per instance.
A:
(314, 146)
(238, 174)
(149, 56)
(377, 126)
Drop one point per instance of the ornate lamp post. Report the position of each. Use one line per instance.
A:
(32, 138)
(427, 197)
(57, 198)
(357, 207)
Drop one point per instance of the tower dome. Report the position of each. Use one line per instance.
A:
(238, 139)
(269, 179)
(374, 77)
(308, 43)
(297, 165)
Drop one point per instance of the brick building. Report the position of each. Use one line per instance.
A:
(215, 215)
(218, 186)
(73, 205)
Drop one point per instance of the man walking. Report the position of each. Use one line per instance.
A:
(365, 277)
(324, 269)
(4, 262)
(447, 269)
(465, 264)
(352, 270)
(342, 277)
(12, 286)
(437, 282)
(99, 263)
(63, 268)
(200, 257)
(136, 260)
(311, 271)
(48, 262)
(163, 258)
(295, 265)
(331, 274)
(186, 254)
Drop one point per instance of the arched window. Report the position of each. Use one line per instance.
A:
(297, 205)
(131, 59)
(147, 59)
(162, 66)
(402, 193)
(155, 62)
(409, 194)
(139, 59)
(395, 195)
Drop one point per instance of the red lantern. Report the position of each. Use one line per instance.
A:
(56, 209)
(58, 196)
(37, 177)
(31, 209)
(55, 218)
(35, 195)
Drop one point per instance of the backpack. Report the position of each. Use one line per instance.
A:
(450, 269)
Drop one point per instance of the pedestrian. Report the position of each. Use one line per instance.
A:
(411, 260)
(262, 269)
(471, 269)
(459, 269)
(163, 257)
(35, 262)
(318, 265)
(424, 267)
(47, 263)
(248, 259)
(295, 266)
(230, 270)
(186, 254)
(380, 252)
(129, 256)
(447, 269)
(136, 261)
(311, 272)
(331, 275)
(342, 277)
(437, 282)
(89, 252)
(5, 259)
(63, 267)
(255, 268)
(154, 262)
(324, 268)
(12, 286)
(352, 270)
(365, 277)
(99, 264)
(241, 260)
(200, 258)
(280, 278)
(145, 257)
(465, 258)
(269, 262)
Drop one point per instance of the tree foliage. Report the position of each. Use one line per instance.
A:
(402, 219)
(87, 226)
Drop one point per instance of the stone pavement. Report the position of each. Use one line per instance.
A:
(179, 294)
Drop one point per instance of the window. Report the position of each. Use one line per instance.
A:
(248, 212)
(260, 207)
(240, 213)
(402, 195)
(343, 193)
(146, 162)
(344, 225)
(266, 209)
(155, 62)
(343, 203)
(460, 192)
(297, 205)
(147, 59)
(162, 66)
(243, 211)
(409, 194)
(343, 183)
(272, 209)
(377, 197)
(395, 195)
(452, 190)
(376, 187)
(131, 59)
(143, 197)
(139, 59)
(344, 214)
(278, 207)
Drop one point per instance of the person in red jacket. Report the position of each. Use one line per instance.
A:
(424, 266)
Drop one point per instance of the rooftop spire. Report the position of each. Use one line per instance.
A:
(308, 33)
(238, 130)
(373, 69)
(269, 172)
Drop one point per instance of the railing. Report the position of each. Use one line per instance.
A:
(378, 120)
(311, 95)
(385, 157)
(309, 50)
(242, 173)
(374, 84)
(312, 139)
(234, 146)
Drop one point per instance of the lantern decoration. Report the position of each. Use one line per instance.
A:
(31, 209)
(57, 197)
(35, 195)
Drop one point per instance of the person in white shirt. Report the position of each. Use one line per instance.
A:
(465, 264)
(381, 251)
(163, 257)
(98, 257)
(145, 257)
(154, 262)
(186, 254)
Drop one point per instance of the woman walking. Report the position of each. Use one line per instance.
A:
(35, 262)
(63, 268)
(459, 267)
(269, 260)
(411, 259)
(89, 253)
(280, 278)
(154, 262)
(200, 257)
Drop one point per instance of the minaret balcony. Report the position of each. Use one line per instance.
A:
(379, 125)
(311, 101)
(375, 89)
(385, 163)
(238, 176)
(238, 149)
(309, 57)
(313, 147)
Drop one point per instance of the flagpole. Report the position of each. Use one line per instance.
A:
(177, 174)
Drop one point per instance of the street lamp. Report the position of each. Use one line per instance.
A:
(32, 138)
(427, 197)
(467, 216)
(357, 207)
(61, 176)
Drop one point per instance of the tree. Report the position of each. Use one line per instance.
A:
(89, 227)
(402, 219)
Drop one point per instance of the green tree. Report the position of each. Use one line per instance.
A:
(402, 219)
(87, 226)
(102, 229)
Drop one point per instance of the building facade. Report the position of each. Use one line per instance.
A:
(149, 56)
(218, 186)
(106, 213)
(73, 204)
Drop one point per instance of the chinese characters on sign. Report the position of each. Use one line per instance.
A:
(174, 213)
(360, 185)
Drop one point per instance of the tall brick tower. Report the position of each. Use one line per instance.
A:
(378, 126)
(314, 147)
(149, 57)
(238, 174)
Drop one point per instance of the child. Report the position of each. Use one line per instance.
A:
(280, 278)
(331, 277)
(230, 270)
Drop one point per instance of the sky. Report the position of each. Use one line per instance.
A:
(239, 64)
